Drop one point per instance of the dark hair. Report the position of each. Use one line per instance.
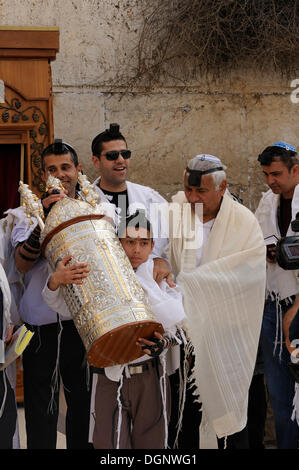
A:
(274, 153)
(58, 147)
(113, 133)
(136, 220)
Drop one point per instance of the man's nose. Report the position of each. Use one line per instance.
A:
(59, 173)
(194, 197)
(270, 180)
(120, 158)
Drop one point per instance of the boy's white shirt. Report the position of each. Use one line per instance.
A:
(166, 304)
(146, 198)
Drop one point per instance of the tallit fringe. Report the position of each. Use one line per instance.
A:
(55, 377)
(163, 388)
(204, 420)
(279, 330)
(278, 326)
(119, 403)
(295, 414)
(193, 383)
(188, 349)
(185, 382)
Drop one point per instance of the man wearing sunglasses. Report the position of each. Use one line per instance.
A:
(277, 207)
(111, 157)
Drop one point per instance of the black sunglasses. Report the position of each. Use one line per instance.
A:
(113, 154)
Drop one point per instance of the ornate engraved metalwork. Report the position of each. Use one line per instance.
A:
(15, 110)
(110, 309)
(32, 204)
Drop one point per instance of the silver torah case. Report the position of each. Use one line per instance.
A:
(109, 309)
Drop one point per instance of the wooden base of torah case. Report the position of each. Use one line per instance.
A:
(109, 309)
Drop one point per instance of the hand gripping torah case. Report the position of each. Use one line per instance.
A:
(109, 309)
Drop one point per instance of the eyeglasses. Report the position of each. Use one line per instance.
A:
(113, 154)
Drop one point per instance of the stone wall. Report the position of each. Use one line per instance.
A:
(233, 118)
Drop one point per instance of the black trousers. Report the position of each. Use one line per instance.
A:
(189, 435)
(239, 440)
(257, 412)
(39, 362)
(8, 419)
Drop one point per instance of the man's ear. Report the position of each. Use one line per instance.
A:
(295, 170)
(223, 186)
(96, 162)
(79, 167)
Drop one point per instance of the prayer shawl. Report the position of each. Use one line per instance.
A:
(15, 279)
(281, 283)
(223, 300)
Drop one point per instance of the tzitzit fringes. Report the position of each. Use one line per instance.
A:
(279, 321)
(55, 377)
(163, 388)
(281, 334)
(119, 404)
(182, 399)
(188, 351)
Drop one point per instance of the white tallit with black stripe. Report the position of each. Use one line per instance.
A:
(224, 300)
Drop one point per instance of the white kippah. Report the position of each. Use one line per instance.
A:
(197, 162)
(209, 158)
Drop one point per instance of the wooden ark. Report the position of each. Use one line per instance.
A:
(26, 106)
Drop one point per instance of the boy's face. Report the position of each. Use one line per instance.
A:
(138, 245)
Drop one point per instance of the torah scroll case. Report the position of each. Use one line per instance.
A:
(109, 309)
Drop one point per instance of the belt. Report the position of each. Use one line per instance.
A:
(285, 303)
(133, 369)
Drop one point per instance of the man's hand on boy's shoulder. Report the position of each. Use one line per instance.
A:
(162, 271)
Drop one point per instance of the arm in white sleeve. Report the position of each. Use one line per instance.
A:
(54, 299)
